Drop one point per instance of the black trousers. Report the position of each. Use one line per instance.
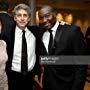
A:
(18, 81)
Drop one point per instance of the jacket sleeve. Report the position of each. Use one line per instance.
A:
(80, 69)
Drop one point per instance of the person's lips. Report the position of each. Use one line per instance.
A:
(46, 25)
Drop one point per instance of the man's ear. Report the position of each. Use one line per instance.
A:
(14, 18)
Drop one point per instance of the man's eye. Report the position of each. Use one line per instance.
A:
(47, 15)
(25, 15)
(40, 18)
(19, 15)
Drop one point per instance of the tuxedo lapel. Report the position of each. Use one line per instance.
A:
(57, 38)
(41, 33)
(45, 51)
(12, 39)
(58, 34)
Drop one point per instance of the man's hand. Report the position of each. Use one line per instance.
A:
(39, 82)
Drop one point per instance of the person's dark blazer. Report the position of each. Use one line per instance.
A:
(10, 48)
(7, 20)
(8, 23)
(68, 41)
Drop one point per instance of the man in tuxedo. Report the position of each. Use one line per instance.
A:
(23, 52)
(67, 40)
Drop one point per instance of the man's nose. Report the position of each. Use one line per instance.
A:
(22, 17)
(44, 19)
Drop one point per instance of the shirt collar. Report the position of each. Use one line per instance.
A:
(20, 31)
(3, 12)
(54, 28)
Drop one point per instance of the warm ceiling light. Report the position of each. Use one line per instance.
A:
(59, 17)
(69, 18)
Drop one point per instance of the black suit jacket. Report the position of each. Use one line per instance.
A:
(68, 41)
(10, 48)
(8, 22)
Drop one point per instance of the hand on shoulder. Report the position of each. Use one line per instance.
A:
(63, 23)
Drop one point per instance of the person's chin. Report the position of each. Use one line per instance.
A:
(47, 27)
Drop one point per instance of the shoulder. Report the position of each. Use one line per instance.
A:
(71, 27)
(71, 30)
(34, 30)
(76, 30)
(68, 26)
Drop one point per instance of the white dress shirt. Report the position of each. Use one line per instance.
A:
(31, 44)
(46, 35)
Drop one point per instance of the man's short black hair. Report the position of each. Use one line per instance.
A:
(4, 6)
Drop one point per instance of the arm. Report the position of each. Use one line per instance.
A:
(79, 70)
(79, 77)
(3, 52)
